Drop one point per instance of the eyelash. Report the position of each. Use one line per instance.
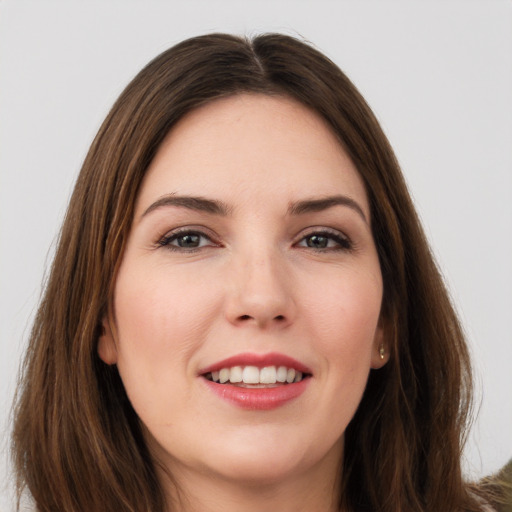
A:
(343, 243)
(168, 239)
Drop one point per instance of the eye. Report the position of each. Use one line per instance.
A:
(325, 241)
(186, 240)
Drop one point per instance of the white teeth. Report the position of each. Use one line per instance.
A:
(255, 375)
(224, 375)
(236, 374)
(251, 375)
(281, 373)
(268, 375)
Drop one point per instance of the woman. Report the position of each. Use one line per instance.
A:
(243, 312)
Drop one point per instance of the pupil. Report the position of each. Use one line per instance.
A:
(188, 241)
(317, 241)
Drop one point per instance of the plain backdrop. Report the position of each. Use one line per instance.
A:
(437, 74)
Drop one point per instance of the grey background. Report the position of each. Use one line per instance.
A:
(438, 75)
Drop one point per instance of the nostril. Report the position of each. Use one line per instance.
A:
(279, 318)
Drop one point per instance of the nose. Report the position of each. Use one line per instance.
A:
(260, 292)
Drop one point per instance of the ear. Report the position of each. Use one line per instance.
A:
(380, 348)
(107, 349)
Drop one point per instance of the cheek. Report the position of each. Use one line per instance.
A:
(160, 312)
(344, 316)
(158, 330)
(345, 313)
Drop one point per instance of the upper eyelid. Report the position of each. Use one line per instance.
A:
(323, 230)
(199, 230)
(177, 234)
(169, 236)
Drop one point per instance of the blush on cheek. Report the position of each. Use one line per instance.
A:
(347, 329)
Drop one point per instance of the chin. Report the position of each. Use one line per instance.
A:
(263, 469)
(268, 458)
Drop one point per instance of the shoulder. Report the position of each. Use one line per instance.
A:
(485, 506)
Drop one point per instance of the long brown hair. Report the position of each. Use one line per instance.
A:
(77, 442)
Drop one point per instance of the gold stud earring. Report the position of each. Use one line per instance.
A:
(381, 351)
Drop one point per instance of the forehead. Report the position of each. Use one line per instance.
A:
(252, 146)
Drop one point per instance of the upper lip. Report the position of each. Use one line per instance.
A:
(258, 360)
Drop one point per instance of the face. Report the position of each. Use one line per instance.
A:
(246, 307)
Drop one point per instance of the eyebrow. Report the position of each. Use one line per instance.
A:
(317, 205)
(216, 207)
(197, 203)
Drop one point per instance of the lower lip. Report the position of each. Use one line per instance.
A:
(261, 399)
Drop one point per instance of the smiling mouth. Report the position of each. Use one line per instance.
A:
(254, 377)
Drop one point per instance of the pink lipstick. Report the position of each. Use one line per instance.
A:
(257, 381)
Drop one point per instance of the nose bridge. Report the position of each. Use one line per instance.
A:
(260, 289)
